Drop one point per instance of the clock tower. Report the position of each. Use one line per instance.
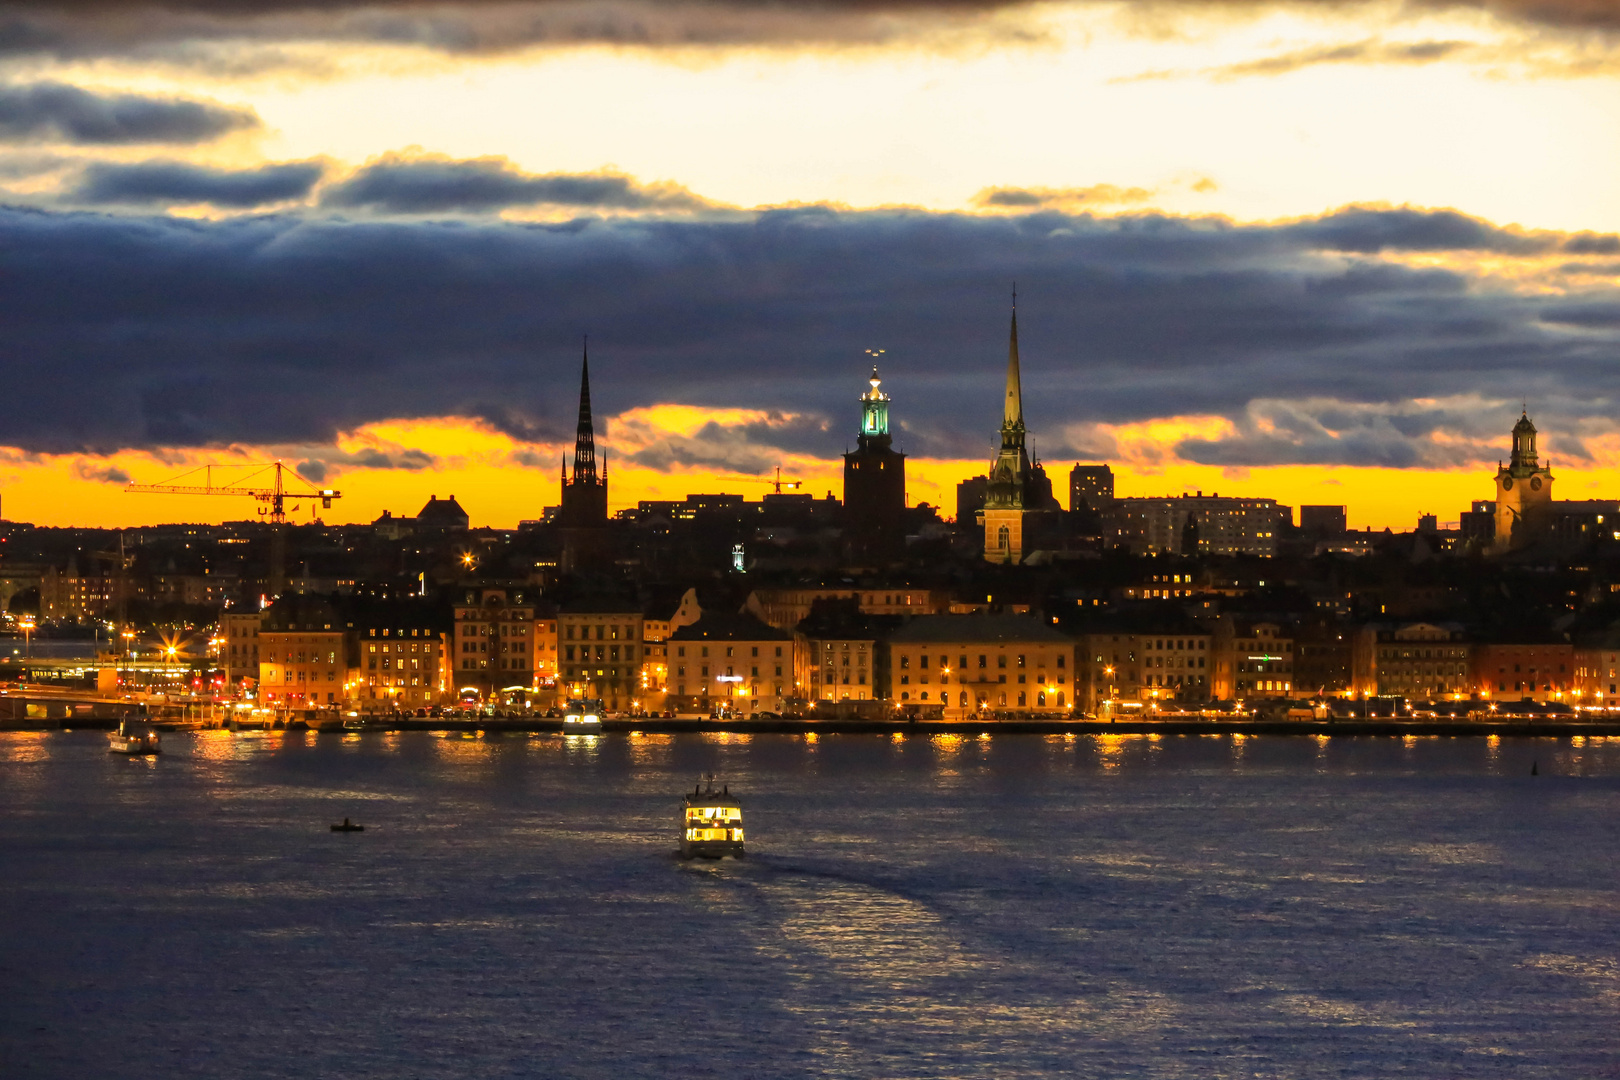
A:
(1523, 489)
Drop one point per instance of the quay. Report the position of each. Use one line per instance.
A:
(1186, 725)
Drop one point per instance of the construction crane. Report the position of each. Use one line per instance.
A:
(778, 483)
(276, 497)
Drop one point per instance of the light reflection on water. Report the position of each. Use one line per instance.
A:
(1097, 905)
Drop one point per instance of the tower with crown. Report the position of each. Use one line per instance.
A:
(874, 484)
(1523, 490)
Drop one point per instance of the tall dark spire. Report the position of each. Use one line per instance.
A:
(585, 438)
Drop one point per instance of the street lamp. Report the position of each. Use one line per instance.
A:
(28, 630)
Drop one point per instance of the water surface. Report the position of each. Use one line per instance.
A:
(1015, 906)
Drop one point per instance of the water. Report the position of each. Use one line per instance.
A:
(1014, 906)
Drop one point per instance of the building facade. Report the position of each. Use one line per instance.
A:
(1514, 672)
(603, 653)
(1252, 660)
(1418, 661)
(970, 665)
(303, 653)
(239, 652)
(400, 656)
(1091, 487)
(494, 643)
(1173, 666)
(1229, 526)
(734, 664)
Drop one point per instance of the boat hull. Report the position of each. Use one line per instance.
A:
(712, 849)
(133, 745)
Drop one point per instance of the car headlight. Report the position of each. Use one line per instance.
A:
(593, 719)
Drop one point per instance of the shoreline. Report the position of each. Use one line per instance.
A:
(1513, 728)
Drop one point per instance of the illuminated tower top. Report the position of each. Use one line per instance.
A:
(874, 409)
(1524, 446)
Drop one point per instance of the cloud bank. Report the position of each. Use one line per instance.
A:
(57, 112)
(436, 185)
(168, 183)
(1316, 340)
(80, 28)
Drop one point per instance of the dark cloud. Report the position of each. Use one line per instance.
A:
(168, 183)
(213, 33)
(286, 329)
(748, 449)
(57, 112)
(106, 474)
(1594, 314)
(436, 185)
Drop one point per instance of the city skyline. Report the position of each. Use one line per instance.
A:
(481, 475)
(1320, 253)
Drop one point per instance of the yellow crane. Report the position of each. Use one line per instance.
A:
(276, 497)
(777, 482)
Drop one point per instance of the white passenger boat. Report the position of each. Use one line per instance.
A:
(711, 824)
(582, 716)
(133, 738)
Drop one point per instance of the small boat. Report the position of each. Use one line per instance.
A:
(133, 738)
(583, 716)
(348, 826)
(711, 824)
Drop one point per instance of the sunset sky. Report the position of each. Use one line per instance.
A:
(1320, 251)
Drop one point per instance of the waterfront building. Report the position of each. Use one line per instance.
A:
(493, 646)
(1018, 494)
(1597, 667)
(966, 665)
(399, 652)
(1158, 661)
(1252, 660)
(1325, 650)
(1091, 487)
(874, 485)
(304, 659)
(239, 652)
(1418, 661)
(737, 663)
(847, 660)
(1513, 670)
(602, 652)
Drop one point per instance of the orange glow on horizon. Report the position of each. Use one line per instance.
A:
(501, 482)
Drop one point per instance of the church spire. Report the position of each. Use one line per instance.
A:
(585, 438)
(1014, 411)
